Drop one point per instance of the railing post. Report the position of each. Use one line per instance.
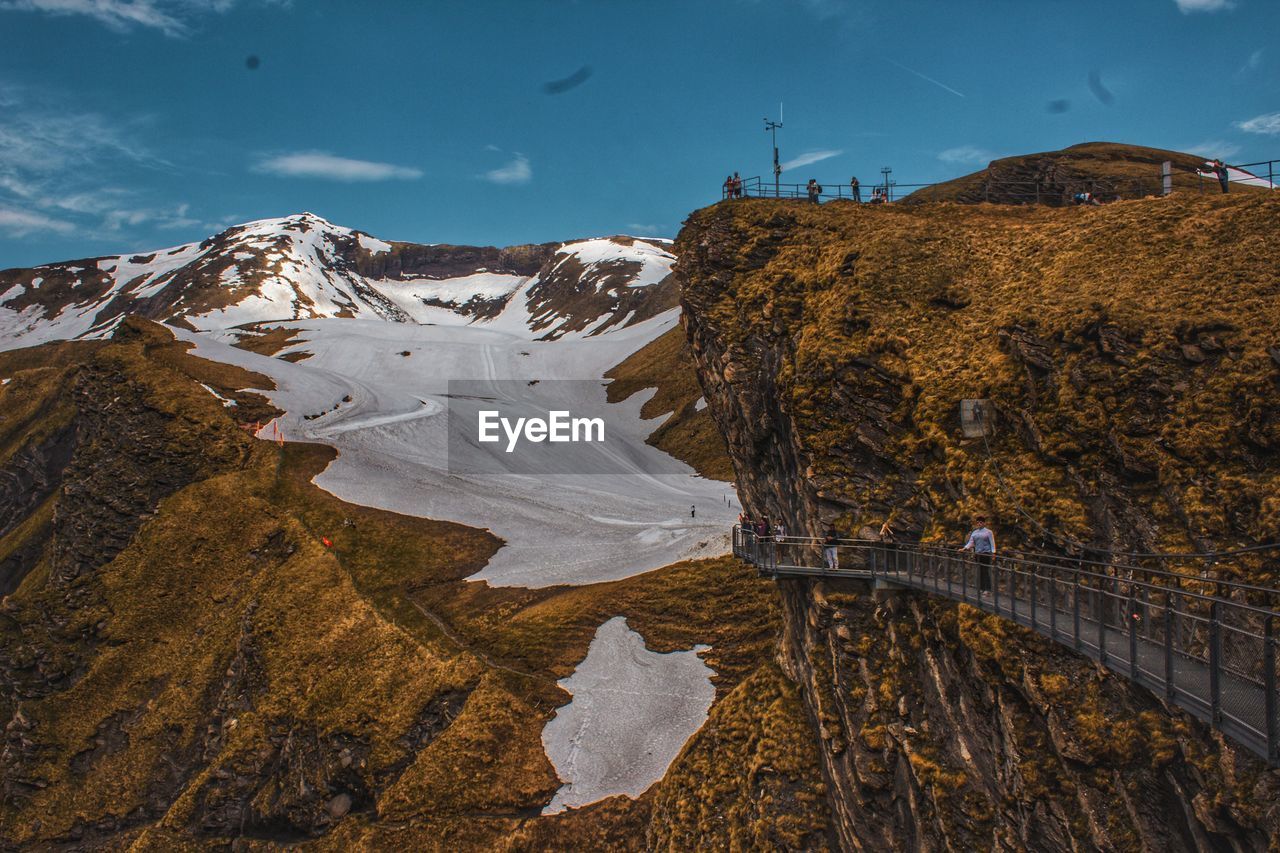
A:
(1269, 685)
(993, 575)
(964, 579)
(1033, 596)
(1215, 665)
(1101, 613)
(1075, 586)
(1170, 687)
(1053, 603)
(1133, 635)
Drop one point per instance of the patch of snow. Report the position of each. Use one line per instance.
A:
(655, 261)
(700, 405)
(5, 381)
(225, 402)
(559, 528)
(372, 244)
(632, 712)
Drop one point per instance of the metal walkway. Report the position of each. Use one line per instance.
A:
(1203, 644)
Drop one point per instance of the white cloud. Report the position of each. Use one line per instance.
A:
(1268, 123)
(20, 223)
(642, 230)
(59, 172)
(318, 164)
(1186, 7)
(518, 171)
(1212, 148)
(967, 155)
(171, 17)
(810, 157)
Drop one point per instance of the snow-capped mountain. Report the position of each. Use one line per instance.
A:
(302, 266)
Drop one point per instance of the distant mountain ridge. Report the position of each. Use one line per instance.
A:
(303, 266)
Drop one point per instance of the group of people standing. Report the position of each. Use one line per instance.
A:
(733, 186)
(981, 541)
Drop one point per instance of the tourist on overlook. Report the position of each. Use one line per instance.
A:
(856, 189)
(1220, 169)
(727, 189)
(737, 186)
(983, 544)
(815, 191)
(830, 549)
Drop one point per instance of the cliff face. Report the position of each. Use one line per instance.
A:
(1130, 355)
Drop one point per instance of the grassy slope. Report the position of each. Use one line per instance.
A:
(687, 433)
(227, 624)
(1131, 170)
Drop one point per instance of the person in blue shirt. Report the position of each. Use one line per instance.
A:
(983, 544)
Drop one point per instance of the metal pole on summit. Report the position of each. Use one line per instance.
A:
(772, 127)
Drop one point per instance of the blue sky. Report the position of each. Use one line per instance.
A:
(134, 124)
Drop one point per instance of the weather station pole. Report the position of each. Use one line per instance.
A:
(772, 127)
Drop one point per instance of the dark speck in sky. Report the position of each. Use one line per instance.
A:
(252, 62)
(574, 80)
(1059, 106)
(1101, 92)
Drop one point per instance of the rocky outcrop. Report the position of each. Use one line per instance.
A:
(828, 362)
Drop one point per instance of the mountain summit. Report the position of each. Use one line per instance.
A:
(303, 266)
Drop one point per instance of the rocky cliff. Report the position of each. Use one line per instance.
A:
(1130, 353)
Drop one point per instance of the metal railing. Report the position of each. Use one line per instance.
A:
(1204, 644)
(1260, 175)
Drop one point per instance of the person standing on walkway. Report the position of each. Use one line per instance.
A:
(983, 544)
(830, 549)
(856, 189)
(737, 186)
(727, 189)
(693, 511)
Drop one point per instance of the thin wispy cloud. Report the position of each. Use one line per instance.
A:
(517, 171)
(1187, 7)
(967, 155)
(329, 167)
(171, 17)
(641, 230)
(24, 223)
(1211, 148)
(1267, 123)
(810, 157)
(927, 78)
(60, 171)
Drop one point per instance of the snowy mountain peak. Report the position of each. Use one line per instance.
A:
(303, 266)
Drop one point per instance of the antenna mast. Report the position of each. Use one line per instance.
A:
(772, 127)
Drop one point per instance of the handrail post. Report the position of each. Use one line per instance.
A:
(1170, 688)
(964, 579)
(1215, 664)
(1075, 586)
(1053, 603)
(1100, 612)
(1133, 635)
(1033, 596)
(993, 575)
(1269, 685)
